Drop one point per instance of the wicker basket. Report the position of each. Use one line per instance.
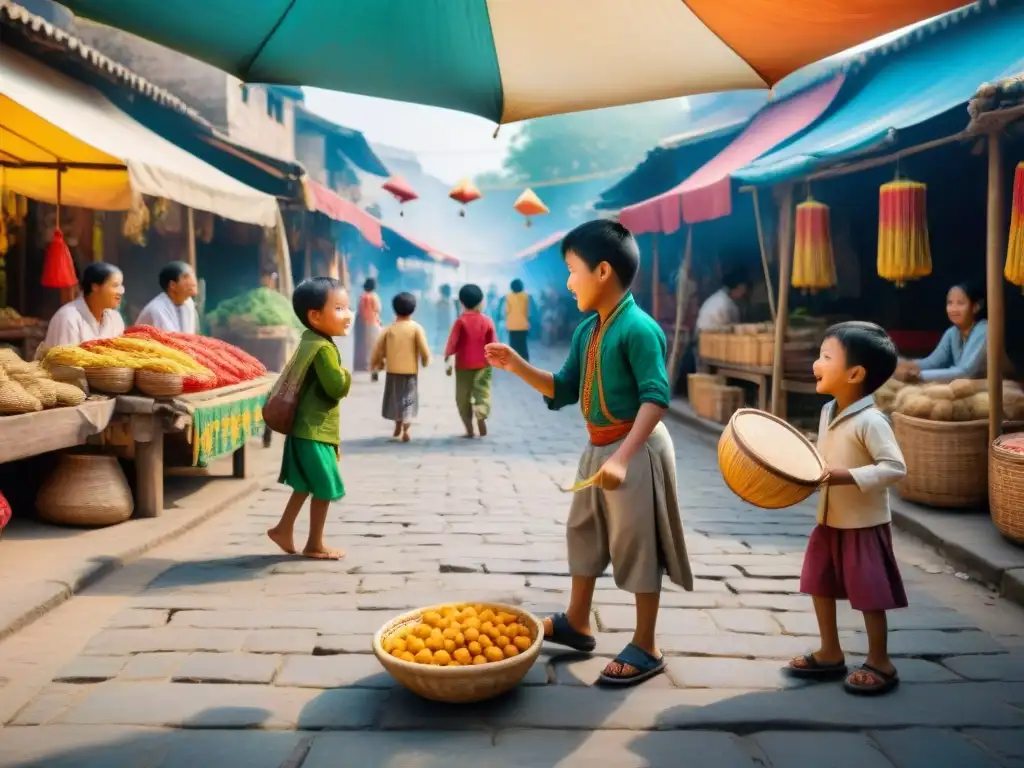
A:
(751, 477)
(157, 384)
(719, 402)
(1006, 489)
(947, 462)
(113, 381)
(459, 685)
(766, 349)
(85, 490)
(697, 387)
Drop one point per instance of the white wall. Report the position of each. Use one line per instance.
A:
(250, 124)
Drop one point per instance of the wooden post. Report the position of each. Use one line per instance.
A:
(655, 287)
(190, 233)
(684, 291)
(149, 465)
(785, 237)
(995, 252)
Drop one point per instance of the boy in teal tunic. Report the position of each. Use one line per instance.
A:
(629, 514)
(311, 449)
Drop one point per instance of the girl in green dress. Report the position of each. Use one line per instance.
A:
(310, 462)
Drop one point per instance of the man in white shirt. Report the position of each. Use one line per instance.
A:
(174, 309)
(720, 309)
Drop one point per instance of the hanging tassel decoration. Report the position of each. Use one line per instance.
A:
(814, 267)
(1014, 269)
(58, 266)
(904, 251)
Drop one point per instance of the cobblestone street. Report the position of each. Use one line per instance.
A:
(217, 651)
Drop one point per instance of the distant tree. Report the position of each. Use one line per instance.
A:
(566, 146)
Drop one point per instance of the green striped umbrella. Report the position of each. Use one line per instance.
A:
(510, 60)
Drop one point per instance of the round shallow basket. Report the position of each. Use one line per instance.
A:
(113, 381)
(947, 461)
(1006, 488)
(157, 384)
(86, 491)
(768, 462)
(459, 685)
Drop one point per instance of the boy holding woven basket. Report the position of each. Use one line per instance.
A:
(624, 508)
(849, 554)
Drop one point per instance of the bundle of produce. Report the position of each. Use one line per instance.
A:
(904, 251)
(137, 354)
(27, 387)
(814, 268)
(260, 308)
(229, 364)
(960, 400)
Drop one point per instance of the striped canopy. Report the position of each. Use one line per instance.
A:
(510, 60)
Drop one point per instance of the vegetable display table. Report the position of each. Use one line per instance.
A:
(215, 423)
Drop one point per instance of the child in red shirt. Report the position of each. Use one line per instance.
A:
(471, 333)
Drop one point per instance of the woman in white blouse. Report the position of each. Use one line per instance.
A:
(94, 314)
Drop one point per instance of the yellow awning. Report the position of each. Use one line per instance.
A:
(48, 118)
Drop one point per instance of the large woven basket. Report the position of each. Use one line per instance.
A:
(157, 384)
(947, 462)
(1006, 489)
(85, 490)
(749, 475)
(70, 374)
(459, 685)
(113, 381)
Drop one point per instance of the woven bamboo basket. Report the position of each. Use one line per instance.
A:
(158, 384)
(459, 685)
(113, 381)
(697, 387)
(947, 462)
(1006, 488)
(765, 349)
(768, 462)
(86, 491)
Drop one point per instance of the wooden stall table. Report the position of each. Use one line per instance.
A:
(32, 434)
(760, 376)
(214, 423)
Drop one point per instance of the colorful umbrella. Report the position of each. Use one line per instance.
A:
(510, 60)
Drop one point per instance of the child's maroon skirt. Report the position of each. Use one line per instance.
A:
(855, 564)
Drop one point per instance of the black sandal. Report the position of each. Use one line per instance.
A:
(883, 683)
(815, 670)
(564, 633)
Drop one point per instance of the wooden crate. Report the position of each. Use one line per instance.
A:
(698, 386)
(719, 402)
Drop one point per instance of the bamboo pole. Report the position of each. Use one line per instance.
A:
(995, 250)
(190, 233)
(654, 276)
(684, 289)
(785, 237)
(764, 255)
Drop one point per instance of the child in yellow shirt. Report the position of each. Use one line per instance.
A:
(400, 350)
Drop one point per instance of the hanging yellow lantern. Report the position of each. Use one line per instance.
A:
(814, 269)
(904, 252)
(1014, 270)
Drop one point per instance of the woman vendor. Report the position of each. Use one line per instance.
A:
(94, 314)
(367, 326)
(962, 350)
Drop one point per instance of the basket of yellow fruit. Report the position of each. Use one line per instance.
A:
(460, 653)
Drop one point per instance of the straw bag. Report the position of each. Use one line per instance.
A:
(279, 410)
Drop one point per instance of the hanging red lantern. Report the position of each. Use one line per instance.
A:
(814, 268)
(528, 204)
(465, 192)
(401, 191)
(58, 267)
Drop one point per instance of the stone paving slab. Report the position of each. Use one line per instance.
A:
(448, 520)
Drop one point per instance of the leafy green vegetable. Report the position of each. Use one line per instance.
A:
(262, 307)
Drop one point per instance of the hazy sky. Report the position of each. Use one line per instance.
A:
(449, 144)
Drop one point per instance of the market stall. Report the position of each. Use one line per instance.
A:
(203, 395)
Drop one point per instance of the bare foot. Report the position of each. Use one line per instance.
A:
(323, 553)
(481, 425)
(398, 430)
(283, 539)
(405, 433)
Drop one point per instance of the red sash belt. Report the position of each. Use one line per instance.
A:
(601, 435)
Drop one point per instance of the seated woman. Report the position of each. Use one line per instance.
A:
(94, 314)
(962, 350)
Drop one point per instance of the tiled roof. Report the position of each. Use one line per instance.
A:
(995, 104)
(14, 17)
